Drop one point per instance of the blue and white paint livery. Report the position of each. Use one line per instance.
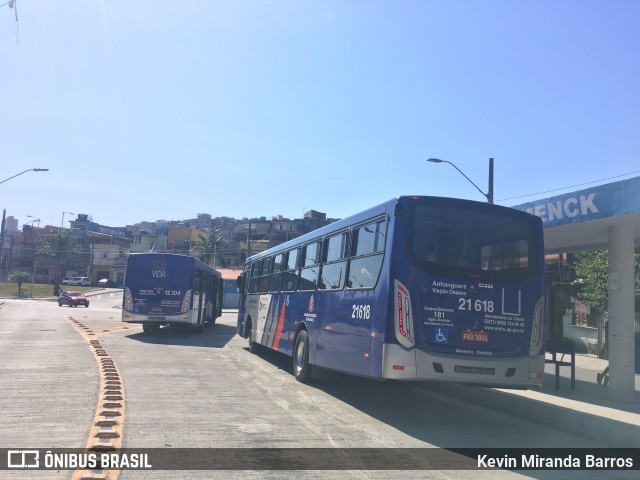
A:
(418, 288)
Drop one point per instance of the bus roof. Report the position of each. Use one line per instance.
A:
(384, 208)
(187, 258)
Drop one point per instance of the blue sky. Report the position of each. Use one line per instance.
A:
(154, 109)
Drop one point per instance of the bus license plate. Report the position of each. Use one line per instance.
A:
(475, 336)
(474, 370)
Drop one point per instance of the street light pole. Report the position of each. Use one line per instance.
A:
(4, 213)
(28, 170)
(488, 196)
(2, 227)
(70, 213)
(35, 219)
(490, 193)
(35, 251)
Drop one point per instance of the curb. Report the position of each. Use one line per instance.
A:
(106, 432)
(90, 293)
(598, 425)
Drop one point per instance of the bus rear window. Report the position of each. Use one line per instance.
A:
(471, 241)
(505, 256)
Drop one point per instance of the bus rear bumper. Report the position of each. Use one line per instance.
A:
(417, 365)
(161, 320)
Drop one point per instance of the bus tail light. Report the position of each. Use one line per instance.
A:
(403, 315)
(128, 300)
(186, 303)
(536, 329)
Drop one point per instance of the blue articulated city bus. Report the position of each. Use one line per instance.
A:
(416, 289)
(165, 288)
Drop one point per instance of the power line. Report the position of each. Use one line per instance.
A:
(571, 186)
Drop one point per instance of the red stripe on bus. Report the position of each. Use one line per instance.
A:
(276, 340)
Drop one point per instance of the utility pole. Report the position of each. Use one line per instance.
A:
(4, 213)
(490, 193)
(249, 241)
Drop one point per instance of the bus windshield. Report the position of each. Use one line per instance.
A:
(449, 240)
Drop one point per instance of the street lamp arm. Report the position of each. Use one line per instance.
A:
(437, 160)
(70, 213)
(28, 170)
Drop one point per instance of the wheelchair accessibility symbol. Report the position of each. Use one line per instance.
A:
(441, 335)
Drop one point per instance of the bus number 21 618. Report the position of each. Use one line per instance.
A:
(478, 305)
(361, 311)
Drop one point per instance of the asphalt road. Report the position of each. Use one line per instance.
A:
(189, 390)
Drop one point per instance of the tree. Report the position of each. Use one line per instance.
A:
(592, 275)
(210, 245)
(63, 246)
(19, 278)
(593, 278)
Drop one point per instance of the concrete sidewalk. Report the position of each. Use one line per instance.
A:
(588, 411)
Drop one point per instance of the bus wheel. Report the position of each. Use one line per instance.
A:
(254, 347)
(150, 327)
(301, 367)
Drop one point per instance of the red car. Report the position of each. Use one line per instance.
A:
(73, 299)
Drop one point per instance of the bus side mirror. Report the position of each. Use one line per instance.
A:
(240, 281)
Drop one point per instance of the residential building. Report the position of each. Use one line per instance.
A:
(104, 249)
(182, 238)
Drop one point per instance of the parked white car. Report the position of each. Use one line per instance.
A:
(83, 281)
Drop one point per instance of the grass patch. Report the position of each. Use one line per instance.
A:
(40, 290)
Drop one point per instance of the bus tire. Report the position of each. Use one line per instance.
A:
(149, 327)
(246, 331)
(254, 347)
(200, 328)
(302, 369)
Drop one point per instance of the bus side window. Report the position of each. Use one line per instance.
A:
(275, 280)
(254, 278)
(197, 284)
(310, 264)
(264, 274)
(367, 254)
(290, 282)
(334, 268)
(211, 288)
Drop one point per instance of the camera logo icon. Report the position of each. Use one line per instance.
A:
(23, 459)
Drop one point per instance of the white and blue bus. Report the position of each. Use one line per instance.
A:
(166, 288)
(416, 289)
